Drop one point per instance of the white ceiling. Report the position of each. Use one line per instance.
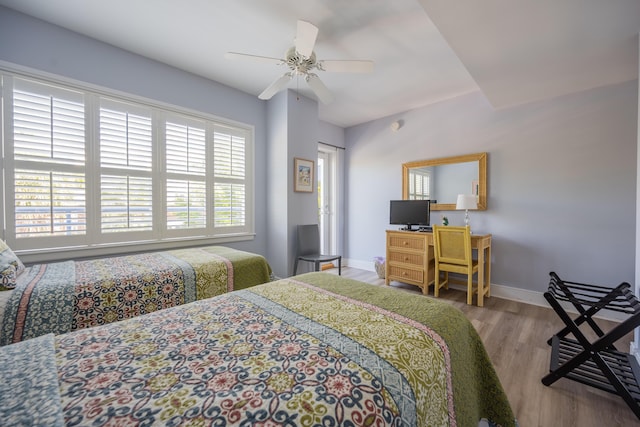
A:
(514, 51)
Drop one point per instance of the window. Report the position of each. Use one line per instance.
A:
(85, 169)
(229, 170)
(126, 159)
(419, 185)
(186, 175)
(49, 161)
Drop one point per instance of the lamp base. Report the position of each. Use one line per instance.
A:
(466, 219)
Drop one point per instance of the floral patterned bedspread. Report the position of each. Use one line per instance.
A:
(303, 351)
(65, 296)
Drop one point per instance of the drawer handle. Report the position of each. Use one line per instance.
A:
(405, 243)
(406, 258)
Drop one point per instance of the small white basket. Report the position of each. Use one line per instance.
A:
(379, 265)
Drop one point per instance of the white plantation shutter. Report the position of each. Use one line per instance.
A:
(83, 169)
(48, 124)
(419, 185)
(186, 201)
(126, 203)
(185, 145)
(186, 175)
(49, 156)
(49, 203)
(126, 159)
(229, 174)
(125, 137)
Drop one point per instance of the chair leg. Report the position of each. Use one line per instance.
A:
(317, 266)
(438, 284)
(295, 267)
(470, 289)
(340, 266)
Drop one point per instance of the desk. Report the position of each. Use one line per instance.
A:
(410, 259)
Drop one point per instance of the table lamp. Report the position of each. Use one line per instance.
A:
(466, 202)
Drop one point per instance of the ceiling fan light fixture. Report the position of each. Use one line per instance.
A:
(299, 63)
(301, 60)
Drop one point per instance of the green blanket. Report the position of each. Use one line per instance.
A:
(477, 391)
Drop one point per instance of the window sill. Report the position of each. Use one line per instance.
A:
(44, 255)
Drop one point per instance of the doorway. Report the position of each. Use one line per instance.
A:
(327, 173)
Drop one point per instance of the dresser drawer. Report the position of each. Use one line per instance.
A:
(405, 241)
(404, 274)
(407, 258)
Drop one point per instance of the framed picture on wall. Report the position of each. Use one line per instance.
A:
(303, 175)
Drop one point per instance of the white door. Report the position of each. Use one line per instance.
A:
(326, 174)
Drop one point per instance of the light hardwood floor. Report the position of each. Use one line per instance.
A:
(515, 336)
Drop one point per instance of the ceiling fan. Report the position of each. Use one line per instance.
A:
(301, 60)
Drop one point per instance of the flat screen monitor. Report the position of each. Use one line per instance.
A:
(410, 213)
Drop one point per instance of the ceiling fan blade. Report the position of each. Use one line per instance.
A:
(267, 59)
(306, 38)
(276, 86)
(346, 66)
(319, 88)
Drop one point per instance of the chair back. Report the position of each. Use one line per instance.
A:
(452, 245)
(308, 239)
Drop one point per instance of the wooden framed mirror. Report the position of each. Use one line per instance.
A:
(443, 179)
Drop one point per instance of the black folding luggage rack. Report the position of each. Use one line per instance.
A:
(598, 363)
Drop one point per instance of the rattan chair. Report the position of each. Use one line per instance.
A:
(453, 255)
(309, 249)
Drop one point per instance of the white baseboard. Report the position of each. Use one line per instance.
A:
(510, 293)
(362, 265)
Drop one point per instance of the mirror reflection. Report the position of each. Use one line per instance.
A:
(443, 179)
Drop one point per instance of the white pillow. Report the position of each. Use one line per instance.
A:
(10, 267)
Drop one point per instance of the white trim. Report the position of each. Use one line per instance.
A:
(511, 293)
(54, 254)
(635, 344)
(362, 265)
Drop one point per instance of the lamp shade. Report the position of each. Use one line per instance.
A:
(466, 201)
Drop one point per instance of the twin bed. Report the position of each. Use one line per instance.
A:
(314, 349)
(64, 296)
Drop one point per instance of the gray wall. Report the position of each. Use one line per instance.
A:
(561, 181)
(293, 132)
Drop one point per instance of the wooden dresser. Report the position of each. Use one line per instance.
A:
(410, 258)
